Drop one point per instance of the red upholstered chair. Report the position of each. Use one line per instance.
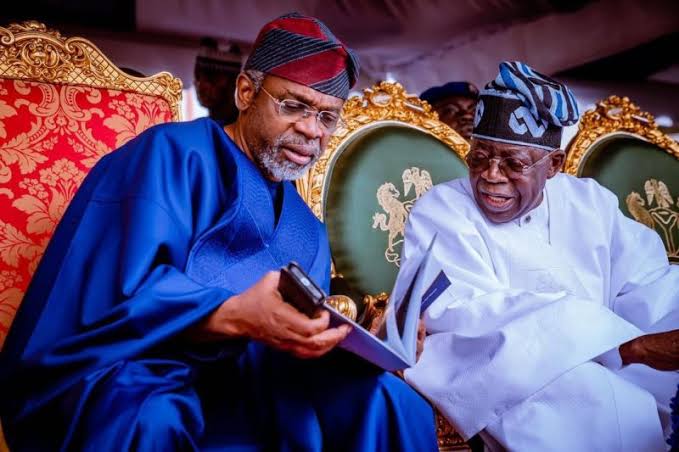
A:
(63, 105)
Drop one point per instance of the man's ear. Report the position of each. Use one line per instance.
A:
(556, 162)
(244, 94)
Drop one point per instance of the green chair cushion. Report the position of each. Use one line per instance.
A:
(407, 158)
(646, 180)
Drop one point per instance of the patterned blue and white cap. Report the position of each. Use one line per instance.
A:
(522, 106)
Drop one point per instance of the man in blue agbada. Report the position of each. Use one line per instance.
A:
(154, 322)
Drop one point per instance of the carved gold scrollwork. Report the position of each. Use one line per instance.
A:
(385, 101)
(615, 114)
(344, 304)
(30, 50)
(448, 439)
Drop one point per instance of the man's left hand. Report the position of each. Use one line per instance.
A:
(421, 334)
(659, 351)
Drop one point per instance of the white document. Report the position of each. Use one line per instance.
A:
(420, 282)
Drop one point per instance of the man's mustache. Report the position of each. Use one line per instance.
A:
(312, 146)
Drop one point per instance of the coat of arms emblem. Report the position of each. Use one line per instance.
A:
(396, 211)
(661, 217)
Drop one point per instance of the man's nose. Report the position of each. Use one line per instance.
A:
(309, 127)
(494, 173)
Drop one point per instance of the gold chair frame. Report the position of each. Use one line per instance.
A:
(615, 115)
(31, 51)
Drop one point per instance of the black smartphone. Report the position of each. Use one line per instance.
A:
(299, 290)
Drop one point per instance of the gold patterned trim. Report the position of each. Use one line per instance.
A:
(382, 104)
(614, 115)
(31, 51)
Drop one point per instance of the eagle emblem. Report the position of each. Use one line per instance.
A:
(395, 211)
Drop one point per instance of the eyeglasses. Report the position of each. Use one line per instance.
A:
(512, 167)
(294, 111)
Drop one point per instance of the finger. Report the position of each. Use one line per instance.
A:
(375, 325)
(300, 325)
(327, 339)
(321, 343)
(280, 329)
(421, 333)
(270, 280)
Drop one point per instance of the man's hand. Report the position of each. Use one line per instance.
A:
(659, 351)
(261, 314)
(421, 335)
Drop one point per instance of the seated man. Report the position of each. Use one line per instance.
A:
(154, 321)
(542, 340)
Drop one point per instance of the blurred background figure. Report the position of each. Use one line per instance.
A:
(455, 102)
(215, 75)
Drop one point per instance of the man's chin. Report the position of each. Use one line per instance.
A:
(288, 171)
(497, 214)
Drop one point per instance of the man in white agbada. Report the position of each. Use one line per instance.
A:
(542, 342)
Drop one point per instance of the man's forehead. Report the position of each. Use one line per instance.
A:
(310, 96)
(499, 147)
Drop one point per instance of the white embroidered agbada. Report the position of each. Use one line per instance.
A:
(523, 345)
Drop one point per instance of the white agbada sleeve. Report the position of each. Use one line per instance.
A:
(644, 288)
(492, 347)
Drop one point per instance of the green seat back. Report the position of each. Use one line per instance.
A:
(375, 179)
(644, 177)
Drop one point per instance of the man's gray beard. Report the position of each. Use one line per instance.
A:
(273, 162)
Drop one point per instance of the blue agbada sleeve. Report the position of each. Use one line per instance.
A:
(111, 284)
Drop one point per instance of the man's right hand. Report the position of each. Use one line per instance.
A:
(260, 313)
(658, 350)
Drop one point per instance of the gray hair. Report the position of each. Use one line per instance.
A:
(257, 78)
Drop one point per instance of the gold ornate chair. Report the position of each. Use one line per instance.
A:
(63, 105)
(621, 147)
(390, 151)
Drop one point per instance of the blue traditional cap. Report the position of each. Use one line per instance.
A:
(436, 93)
(522, 106)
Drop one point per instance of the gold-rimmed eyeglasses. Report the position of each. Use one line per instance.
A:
(294, 111)
(479, 161)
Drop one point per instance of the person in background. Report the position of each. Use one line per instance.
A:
(214, 76)
(455, 103)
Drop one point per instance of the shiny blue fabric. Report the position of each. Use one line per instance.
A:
(161, 232)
